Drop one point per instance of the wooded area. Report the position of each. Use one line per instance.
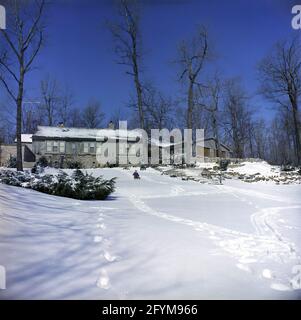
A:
(209, 100)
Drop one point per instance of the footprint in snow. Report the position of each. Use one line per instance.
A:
(97, 239)
(247, 260)
(244, 267)
(109, 257)
(101, 226)
(266, 273)
(104, 281)
(280, 287)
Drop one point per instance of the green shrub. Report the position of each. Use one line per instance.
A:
(223, 164)
(82, 186)
(43, 162)
(74, 164)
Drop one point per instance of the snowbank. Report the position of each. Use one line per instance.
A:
(250, 168)
(158, 238)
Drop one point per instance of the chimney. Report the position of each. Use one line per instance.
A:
(111, 125)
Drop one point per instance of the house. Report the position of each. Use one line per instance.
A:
(8, 151)
(211, 149)
(100, 147)
(91, 147)
(205, 149)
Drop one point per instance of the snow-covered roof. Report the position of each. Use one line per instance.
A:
(84, 133)
(25, 138)
(100, 134)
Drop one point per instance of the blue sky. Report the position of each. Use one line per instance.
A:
(79, 49)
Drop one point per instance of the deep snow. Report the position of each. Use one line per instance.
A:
(155, 238)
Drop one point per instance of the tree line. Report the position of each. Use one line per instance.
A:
(220, 105)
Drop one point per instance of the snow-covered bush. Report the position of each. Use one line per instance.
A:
(44, 183)
(88, 187)
(79, 185)
(43, 162)
(37, 169)
(14, 178)
(40, 165)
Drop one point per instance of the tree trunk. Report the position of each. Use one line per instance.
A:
(296, 129)
(190, 107)
(139, 101)
(19, 121)
(215, 133)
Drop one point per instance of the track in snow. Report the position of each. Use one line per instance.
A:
(265, 244)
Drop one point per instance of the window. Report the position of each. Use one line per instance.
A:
(86, 147)
(62, 146)
(89, 147)
(92, 147)
(55, 146)
(73, 146)
(48, 146)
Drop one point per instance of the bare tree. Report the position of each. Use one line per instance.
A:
(32, 116)
(118, 115)
(158, 109)
(279, 140)
(211, 100)
(75, 118)
(6, 123)
(280, 75)
(64, 111)
(127, 36)
(192, 57)
(22, 42)
(50, 99)
(260, 139)
(236, 116)
(92, 115)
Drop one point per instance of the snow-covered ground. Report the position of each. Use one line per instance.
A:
(258, 167)
(154, 238)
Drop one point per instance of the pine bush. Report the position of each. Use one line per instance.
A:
(79, 185)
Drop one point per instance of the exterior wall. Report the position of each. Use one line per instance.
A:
(211, 152)
(80, 151)
(91, 153)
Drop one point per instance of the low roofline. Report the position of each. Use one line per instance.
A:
(79, 128)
